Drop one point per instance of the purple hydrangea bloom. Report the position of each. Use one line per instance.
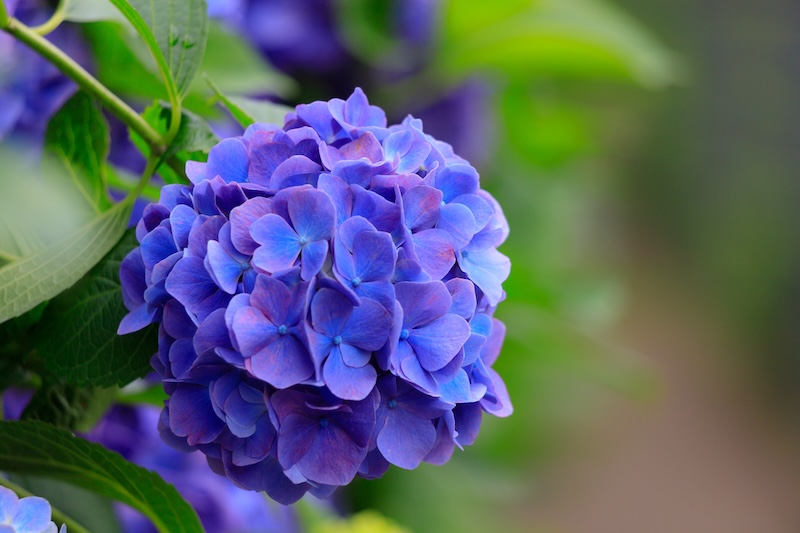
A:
(324, 293)
(25, 515)
(31, 88)
(222, 506)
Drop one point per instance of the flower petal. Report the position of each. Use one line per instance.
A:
(280, 245)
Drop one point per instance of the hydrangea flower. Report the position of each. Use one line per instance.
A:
(25, 515)
(325, 294)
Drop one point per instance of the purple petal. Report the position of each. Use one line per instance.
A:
(191, 285)
(434, 251)
(346, 382)
(282, 363)
(224, 269)
(459, 222)
(422, 302)
(272, 297)
(438, 342)
(252, 331)
(462, 291)
(368, 326)
(365, 146)
(421, 207)
(265, 156)
(181, 220)
(332, 459)
(468, 423)
(329, 312)
(192, 416)
(139, 318)
(405, 439)
(382, 213)
(242, 217)
(412, 371)
(297, 170)
(280, 245)
(374, 255)
(455, 180)
(494, 342)
(339, 193)
(157, 245)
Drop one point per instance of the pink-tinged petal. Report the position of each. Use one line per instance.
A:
(346, 382)
(421, 206)
(434, 251)
(332, 459)
(228, 160)
(297, 170)
(437, 343)
(252, 331)
(488, 269)
(368, 326)
(312, 214)
(406, 439)
(282, 363)
(365, 146)
(422, 302)
(313, 258)
(242, 217)
(280, 245)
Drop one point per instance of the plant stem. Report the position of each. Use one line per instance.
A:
(58, 516)
(54, 21)
(149, 170)
(85, 80)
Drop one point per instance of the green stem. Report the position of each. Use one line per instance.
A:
(58, 516)
(85, 80)
(149, 170)
(54, 21)
(115, 182)
(3, 14)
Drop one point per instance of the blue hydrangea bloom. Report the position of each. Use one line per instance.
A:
(325, 295)
(25, 515)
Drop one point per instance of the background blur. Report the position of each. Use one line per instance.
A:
(646, 156)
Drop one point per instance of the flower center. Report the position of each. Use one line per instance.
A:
(464, 254)
(323, 423)
(404, 334)
(356, 281)
(282, 329)
(303, 241)
(337, 340)
(392, 403)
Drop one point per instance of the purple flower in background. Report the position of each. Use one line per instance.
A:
(325, 293)
(222, 506)
(25, 515)
(31, 88)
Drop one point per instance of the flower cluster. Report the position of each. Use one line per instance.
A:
(25, 515)
(325, 293)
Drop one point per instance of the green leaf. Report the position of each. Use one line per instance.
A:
(175, 31)
(237, 68)
(40, 449)
(192, 142)
(153, 395)
(49, 235)
(247, 111)
(569, 38)
(79, 135)
(77, 338)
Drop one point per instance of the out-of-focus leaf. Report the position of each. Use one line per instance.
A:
(152, 395)
(78, 134)
(68, 406)
(92, 10)
(572, 38)
(49, 235)
(175, 31)
(237, 69)
(40, 449)
(247, 111)
(78, 341)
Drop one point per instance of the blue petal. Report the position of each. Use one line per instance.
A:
(192, 416)
(313, 258)
(406, 439)
(488, 269)
(282, 363)
(297, 170)
(368, 326)
(224, 269)
(346, 382)
(329, 312)
(455, 180)
(252, 331)
(422, 302)
(374, 255)
(8, 504)
(438, 342)
(459, 222)
(280, 245)
(33, 515)
(462, 291)
(434, 251)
